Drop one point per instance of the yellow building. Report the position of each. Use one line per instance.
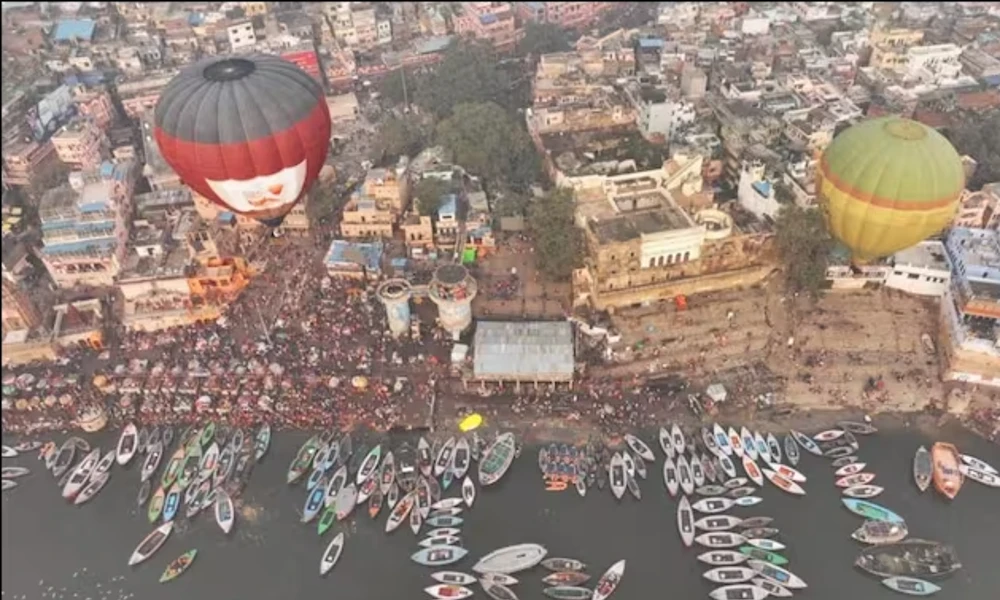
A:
(253, 9)
(391, 185)
(366, 217)
(889, 46)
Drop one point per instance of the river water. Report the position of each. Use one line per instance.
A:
(52, 550)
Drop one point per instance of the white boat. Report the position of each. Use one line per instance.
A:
(453, 577)
(777, 574)
(763, 450)
(863, 491)
(617, 476)
(684, 474)
(665, 444)
(332, 554)
(708, 439)
(629, 463)
(209, 462)
(154, 454)
(127, 444)
(151, 543)
(9, 484)
(774, 447)
(448, 591)
(461, 459)
(727, 575)
(677, 439)
(496, 459)
(369, 465)
(416, 521)
(977, 464)
(806, 442)
(401, 512)
(13, 472)
(443, 460)
(511, 559)
(468, 491)
(697, 471)
(9, 452)
(748, 501)
(608, 582)
(225, 512)
(850, 469)
(739, 591)
(446, 503)
(639, 447)
(856, 479)
(452, 531)
(766, 544)
(445, 512)
(752, 470)
(438, 555)
(439, 540)
(736, 482)
(670, 476)
(720, 539)
(711, 490)
(828, 436)
(911, 586)
(497, 591)
(980, 476)
(685, 521)
(80, 474)
(497, 579)
(727, 466)
(558, 565)
(722, 557)
(791, 449)
(788, 473)
(94, 485)
(333, 487)
(735, 441)
(717, 522)
(783, 483)
(104, 465)
(721, 440)
(771, 588)
(746, 442)
(713, 505)
(347, 499)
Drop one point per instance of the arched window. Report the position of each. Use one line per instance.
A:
(687, 256)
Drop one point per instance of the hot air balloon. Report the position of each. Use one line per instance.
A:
(887, 184)
(249, 133)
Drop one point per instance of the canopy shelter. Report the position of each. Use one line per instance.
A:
(525, 352)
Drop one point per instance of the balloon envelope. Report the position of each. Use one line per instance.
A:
(887, 184)
(249, 133)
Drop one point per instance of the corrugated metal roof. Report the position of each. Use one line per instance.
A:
(523, 350)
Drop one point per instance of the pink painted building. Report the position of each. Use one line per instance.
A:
(81, 145)
(96, 104)
(491, 21)
(570, 15)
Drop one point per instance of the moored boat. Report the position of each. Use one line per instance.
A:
(863, 491)
(332, 554)
(127, 444)
(369, 465)
(685, 521)
(806, 443)
(911, 586)
(563, 564)
(684, 474)
(444, 457)
(639, 447)
(151, 543)
(511, 559)
(856, 479)
(711, 490)
(850, 469)
(910, 558)
(567, 592)
(857, 428)
(225, 514)
(752, 470)
(453, 577)
(988, 479)
(727, 575)
(977, 464)
(609, 582)
(947, 478)
(713, 505)
(81, 474)
(717, 523)
(497, 591)
(783, 483)
(14, 472)
(727, 466)
(617, 476)
(303, 460)
(721, 440)
(314, 502)
(720, 539)
(752, 552)
(448, 591)
(438, 555)
(722, 557)
(347, 499)
(496, 459)
(844, 461)
(791, 450)
(777, 574)
(880, 532)
(669, 476)
(738, 591)
(870, 510)
(771, 588)
(568, 578)
(400, 512)
(677, 439)
(96, 482)
(923, 469)
(177, 566)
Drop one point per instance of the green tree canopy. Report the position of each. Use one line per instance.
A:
(467, 73)
(393, 86)
(428, 193)
(980, 139)
(804, 244)
(543, 38)
(488, 143)
(558, 242)
(399, 136)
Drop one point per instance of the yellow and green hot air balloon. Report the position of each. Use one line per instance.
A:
(887, 184)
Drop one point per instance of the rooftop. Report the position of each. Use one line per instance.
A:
(630, 226)
(526, 351)
(927, 255)
(74, 29)
(368, 255)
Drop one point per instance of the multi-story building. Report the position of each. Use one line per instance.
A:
(85, 226)
(981, 65)
(490, 21)
(141, 94)
(889, 46)
(575, 15)
(658, 112)
(366, 217)
(933, 64)
(81, 144)
(156, 170)
(241, 36)
(391, 185)
(976, 208)
(19, 311)
(95, 104)
(25, 159)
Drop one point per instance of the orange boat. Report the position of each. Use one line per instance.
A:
(947, 478)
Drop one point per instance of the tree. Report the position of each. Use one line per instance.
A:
(979, 139)
(399, 136)
(487, 142)
(542, 38)
(804, 244)
(397, 91)
(429, 193)
(510, 203)
(467, 73)
(558, 243)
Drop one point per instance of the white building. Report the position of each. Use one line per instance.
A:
(384, 29)
(922, 270)
(755, 193)
(933, 64)
(755, 25)
(241, 36)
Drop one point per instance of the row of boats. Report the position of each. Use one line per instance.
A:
(947, 468)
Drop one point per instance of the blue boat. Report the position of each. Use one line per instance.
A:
(314, 503)
(444, 521)
(870, 510)
(171, 504)
(911, 586)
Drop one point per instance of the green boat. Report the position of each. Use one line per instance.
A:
(207, 434)
(303, 460)
(758, 554)
(177, 566)
(496, 459)
(187, 435)
(190, 469)
(327, 518)
(156, 505)
(173, 469)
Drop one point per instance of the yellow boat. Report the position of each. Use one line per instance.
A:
(471, 422)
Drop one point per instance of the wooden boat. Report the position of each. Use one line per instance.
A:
(393, 496)
(774, 448)
(369, 487)
(741, 492)
(721, 440)
(8, 452)
(754, 553)
(779, 575)
(156, 504)
(788, 473)
(677, 439)
(727, 575)
(771, 588)
(923, 469)
(738, 591)
(444, 521)
(722, 557)
(198, 501)
(375, 502)
(977, 464)
(850, 469)
(863, 491)
(751, 522)
(567, 592)
(64, 458)
(453, 577)
(979, 476)
(563, 565)
(347, 499)
(911, 586)
(96, 482)
(760, 532)
(81, 474)
(173, 468)
(784, 484)
(189, 468)
(697, 471)
(713, 505)
(711, 490)
(609, 582)
(684, 475)
(765, 544)
(14, 472)
(717, 523)
(496, 459)
(747, 501)
(332, 554)
(416, 521)
(947, 478)
(617, 475)
(910, 558)
(633, 488)
(439, 540)
(856, 479)
(127, 444)
(806, 443)
(262, 441)
(669, 477)
(303, 460)
(511, 559)
(447, 591)
(735, 442)
(720, 539)
(177, 566)
(639, 447)
(708, 440)
(870, 510)
(369, 465)
(151, 543)
(828, 436)
(752, 470)
(444, 457)
(145, 488)
(326, 520)
(400, 512)
(880, 532)
(727, 466)
(225, 513)
(334, 486)
(154, 454)
(209, 462)
(791, 449)
(857, 428)
(438, 555)
(749, 446)
(314, 502)
(685, 522)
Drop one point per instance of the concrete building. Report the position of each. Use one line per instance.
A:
(453, 289)
(156, 170)
(81, 145)
(755, 192)
(391, 185)
(533, 352)
(493, 22)
(365, 217)
(95, 104)
(976, 208)
(395, 296)
(23, 160)
(354, 260)
(241, 36)
(658, 114)
(922, 270)
(19, 311)
(694, 82)
(933, 64)
(981, 65)
(140, 94)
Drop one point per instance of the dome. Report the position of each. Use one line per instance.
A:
(887, 184)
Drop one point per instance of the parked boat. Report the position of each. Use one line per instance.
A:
(400, 512)
(81, 474)
(752, 552)
(850, 469)
(788, 473)
(870, 510)
(863, 491)
(500, 578)
(567, 576)
(453, 577)
(771, 588)
(721, 441)
(314, 502)
(791, 449)
(511, 559)
(685, 522)
(760, 532)
(567, 592)
(806, 443)
(727, 575)
(722, 557)
(727, 466)
(447, 591)
(857, 428)
(711, 490)
(151, 543)
(763, 450)
(738, 591)
(988, 479)
(856, 479)
(911, 586)
(497, 591)
(717, 523)
(14, 472)
(844, 461)
(764, 543)
(303, 460)
(748, 501)
(438, 555)
(923, 469)
(677, 439)
(880, 532)
(639, 447)
(496, 459)
(468, 491)
(94, 485)
(741, 492)
(977, 464)
(918, 558)
(369, 465)
(262, 441)
(697, 470)
(752, 470)
(609, 582)
(735, 442)
(783, 483)
(178, 566)
(332, 554)
(439, 540)
(779, 575)
(64, 458)
(720, 539)
(713, 505)
(759, 521)
(839, 452)
(684, 475)
(669, 477)
(127, 444)
(347, 499)
(828, 436)
(947, 478)
(617, 475)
